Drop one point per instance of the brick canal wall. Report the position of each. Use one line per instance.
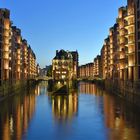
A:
(127, 90)
(7, 89)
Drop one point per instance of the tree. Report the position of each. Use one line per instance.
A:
(49, 71)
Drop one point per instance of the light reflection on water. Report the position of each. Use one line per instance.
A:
(89, 114)
(64, 107)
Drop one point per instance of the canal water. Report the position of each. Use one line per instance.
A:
(87, 114)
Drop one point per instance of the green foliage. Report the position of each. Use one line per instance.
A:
(49, 72)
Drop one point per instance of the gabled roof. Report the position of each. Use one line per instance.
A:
(62, 54)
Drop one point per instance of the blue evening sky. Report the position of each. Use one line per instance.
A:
(49, 25)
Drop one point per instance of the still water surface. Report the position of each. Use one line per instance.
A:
(88, 114)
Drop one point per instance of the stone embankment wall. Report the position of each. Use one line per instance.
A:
(128, 90)
(9, 89)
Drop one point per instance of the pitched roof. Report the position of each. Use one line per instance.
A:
(63, 55)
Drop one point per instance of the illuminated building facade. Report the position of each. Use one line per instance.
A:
(65, 65)
(97, 67)
(120, 54)
(137, 49)
(32, 67)
(119, 50)
(5, 36)
(86, 71)
(91, 70)
(112, 60)
(105, 58)
(16, 53)
(75, 63)
(17, 59)
(24, 58)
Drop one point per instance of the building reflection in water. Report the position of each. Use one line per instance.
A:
(121, 119)
(65, 107)
(37, 90)
(89, 88)
(41, 88)
(15, 115)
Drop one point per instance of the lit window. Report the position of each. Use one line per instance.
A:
(64, 72)
(63, 76)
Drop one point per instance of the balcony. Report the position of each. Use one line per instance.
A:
(6, 43)
(129, 34)
(7, 24)
(122, 65)
(131, 60)
(5, 55)
(131, 49)
(122, 56)
(122, 39)
(18, 69)
(6, 34)
(6, 65)
(131, 42)
(18, 62)
(111, 39)
(128, 27)
(111, 62)
(129, 22)
(6, 49)
(123, 42)
(122, 32)
(129, 16)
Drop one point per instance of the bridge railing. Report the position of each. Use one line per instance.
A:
(45, 78)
